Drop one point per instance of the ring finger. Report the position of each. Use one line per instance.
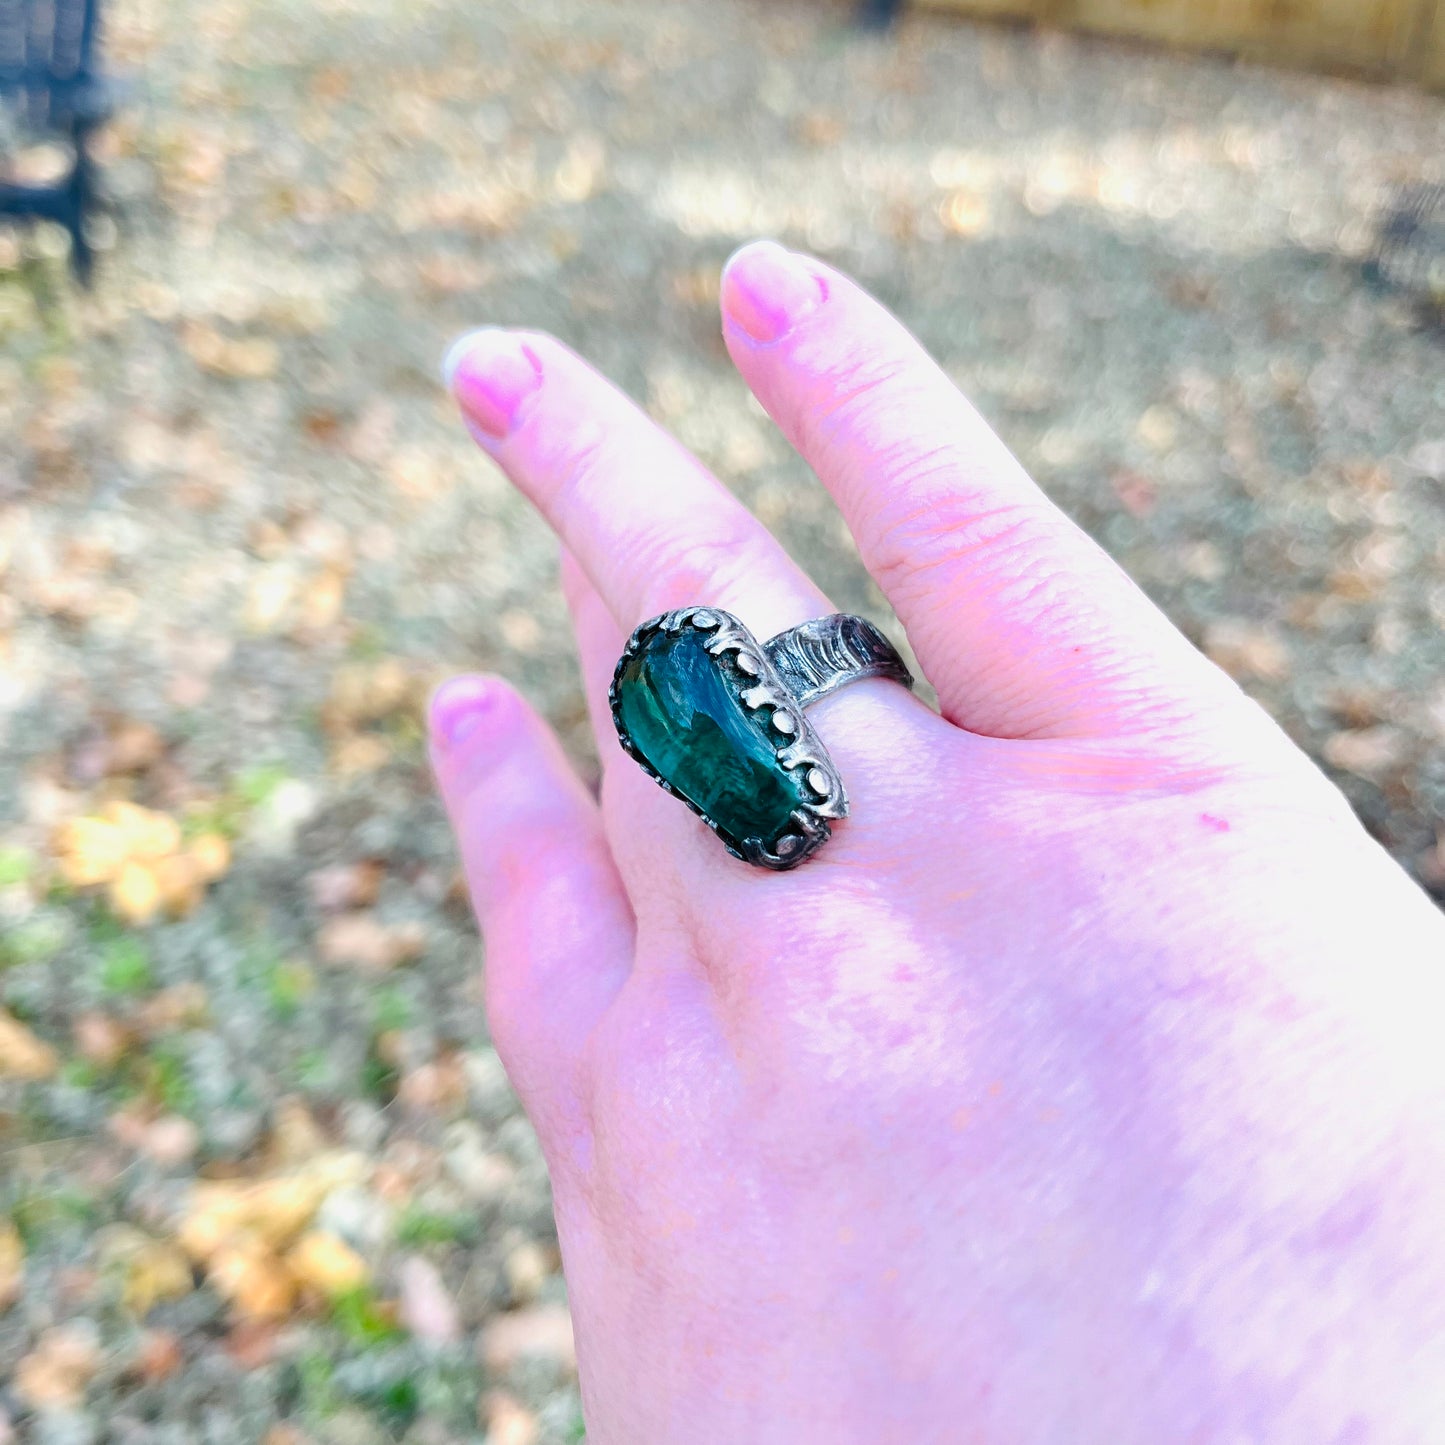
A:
(650, 528)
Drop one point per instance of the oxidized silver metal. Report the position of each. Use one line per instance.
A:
(821, 656)
(786, 674)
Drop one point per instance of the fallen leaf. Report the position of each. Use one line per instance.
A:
(178, 882)
(542, 1332)
(55, 1374)
(359, 754)
(439, 1086)
(252, 1343)
(135, 893)
(171, 1140)
(320, 602)
(273, 1210)
(1247, 650)
(150, 1270)
(363, 941)
(242, 358)
(90, 851)
(1367, 752)
(22, 1055)
(325, 1263)
(148, 834)
(369, 693)
(508, 1421)
(12, 1264)
(159, 1355)
(345, 885)
(100, 1039)
(182, 1006)
(132, 747)
(269, 598)
(527, 1268)
(296, 1137)
(212, 855)
(252, 1279)
(286, 1435)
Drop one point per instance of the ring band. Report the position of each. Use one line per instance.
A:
(716, 718)
(818, 657)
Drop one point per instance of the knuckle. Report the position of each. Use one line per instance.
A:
(714, 566)
(863, 392)
(577, 463)
(950, 536)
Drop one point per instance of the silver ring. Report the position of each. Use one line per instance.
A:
(716, 718)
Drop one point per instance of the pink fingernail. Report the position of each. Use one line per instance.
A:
(491, 374)
(458, 708)
(768, 290)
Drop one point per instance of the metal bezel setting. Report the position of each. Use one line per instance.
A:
(757, 685)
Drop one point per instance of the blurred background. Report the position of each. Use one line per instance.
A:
(261, 1174)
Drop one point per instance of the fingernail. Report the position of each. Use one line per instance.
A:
(459, 707)
(768, 290)
(491, 373)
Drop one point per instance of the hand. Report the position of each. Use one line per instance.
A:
(1086, 1087)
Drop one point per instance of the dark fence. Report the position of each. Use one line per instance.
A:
(50, 90)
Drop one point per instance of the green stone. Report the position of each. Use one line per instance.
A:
(681, 709)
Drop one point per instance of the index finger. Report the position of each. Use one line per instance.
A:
(651, 527)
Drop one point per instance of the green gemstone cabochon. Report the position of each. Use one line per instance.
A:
(680, 707)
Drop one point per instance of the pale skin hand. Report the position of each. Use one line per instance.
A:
(1087, 1089)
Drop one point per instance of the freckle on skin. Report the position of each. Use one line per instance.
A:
(995, 1088)
(962, 1118)
(846, 1235)
(890, 1276)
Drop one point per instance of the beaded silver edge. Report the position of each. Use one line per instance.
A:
(796, 745)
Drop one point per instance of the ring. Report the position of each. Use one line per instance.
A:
(716, 718)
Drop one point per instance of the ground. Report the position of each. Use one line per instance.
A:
(263, 1175)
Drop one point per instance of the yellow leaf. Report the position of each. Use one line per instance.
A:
(253, 1279)
(270, 597)
(91, 851)
(135, 893)
(12, 1264)
(150, 1270)
(321, 601)
(327, 1264)
(212, 855)
(359, 753)
(218, 1214)
(22, 1055)
(147, 834)
(179, 881)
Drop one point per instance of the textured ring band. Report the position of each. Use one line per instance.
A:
(818, 657)
(716, 718)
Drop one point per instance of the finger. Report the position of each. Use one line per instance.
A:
(644, 826)
(599, 644)
(1023, 624)
(650, 526)
(556, 921)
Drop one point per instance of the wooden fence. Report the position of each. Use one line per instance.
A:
(1401, 38)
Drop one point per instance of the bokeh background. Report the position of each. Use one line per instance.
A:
(261, 1174)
